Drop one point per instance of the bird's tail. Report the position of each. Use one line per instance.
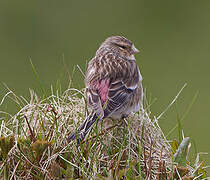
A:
(84, 128)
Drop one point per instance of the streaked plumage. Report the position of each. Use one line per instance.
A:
(113, 83)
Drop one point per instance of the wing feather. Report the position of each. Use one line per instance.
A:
(118, 95)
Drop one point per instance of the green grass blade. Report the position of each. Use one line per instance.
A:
(38, 79)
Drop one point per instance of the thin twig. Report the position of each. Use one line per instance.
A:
(102, 133)
(32, 137)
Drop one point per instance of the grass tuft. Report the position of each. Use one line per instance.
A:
(33, 144)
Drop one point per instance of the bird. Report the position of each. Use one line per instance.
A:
(113, 84)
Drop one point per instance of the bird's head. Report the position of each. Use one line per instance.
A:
(120, 45)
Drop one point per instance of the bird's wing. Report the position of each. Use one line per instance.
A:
(118, 95)
(105, 97)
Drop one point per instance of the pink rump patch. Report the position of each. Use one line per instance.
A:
(102, 88)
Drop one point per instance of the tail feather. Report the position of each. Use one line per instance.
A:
(84, 128)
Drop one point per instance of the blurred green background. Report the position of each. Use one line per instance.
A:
(173, 36)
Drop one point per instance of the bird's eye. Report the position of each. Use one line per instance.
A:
(124, 47)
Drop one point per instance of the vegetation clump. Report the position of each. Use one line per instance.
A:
(33, 144)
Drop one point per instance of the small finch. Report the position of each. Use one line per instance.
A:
(113, 84)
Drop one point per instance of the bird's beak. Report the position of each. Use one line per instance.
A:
(135, 50)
